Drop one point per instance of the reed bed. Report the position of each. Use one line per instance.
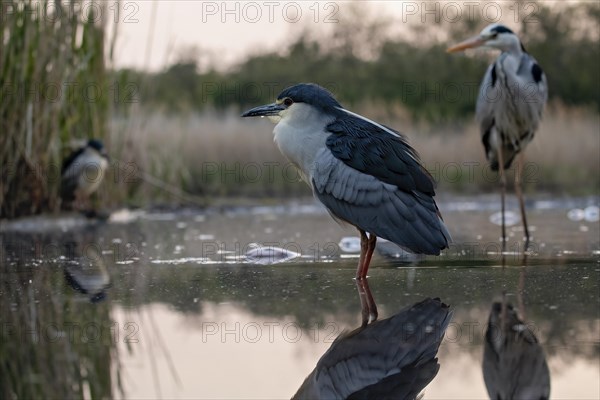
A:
(220, 155)
(54, 89)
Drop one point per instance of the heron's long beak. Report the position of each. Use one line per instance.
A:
(467, 44)
(264, 111)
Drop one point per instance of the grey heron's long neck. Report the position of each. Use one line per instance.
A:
(515, 48)
(508, 63)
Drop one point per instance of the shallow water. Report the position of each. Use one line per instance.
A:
(159, 304)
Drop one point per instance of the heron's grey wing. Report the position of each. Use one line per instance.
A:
(395, 354)
(510, 105)
(71, 158)
(485, 112)
(70, 172)
(408, 218)
(386, 155)
(534, 88)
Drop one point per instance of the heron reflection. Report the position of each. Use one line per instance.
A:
(391, 358)
(84, 268)
(514, 364)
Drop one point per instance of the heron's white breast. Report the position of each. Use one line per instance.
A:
(300, 135)
(91, 166)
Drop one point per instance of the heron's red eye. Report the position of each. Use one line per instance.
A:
(288, 102)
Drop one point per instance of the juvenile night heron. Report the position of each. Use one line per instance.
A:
(365, 173)
(83, 171)
(510, 104)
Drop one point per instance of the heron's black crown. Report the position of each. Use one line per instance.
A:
(501, 29)
(311, 94)
(96, 144)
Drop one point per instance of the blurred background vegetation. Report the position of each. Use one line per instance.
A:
(360, 63)
(175, 137)
(51, 72)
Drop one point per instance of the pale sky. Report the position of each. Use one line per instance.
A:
(154, 33)
(225, 31)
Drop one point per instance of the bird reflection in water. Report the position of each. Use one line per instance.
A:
(392, 358)
(85, 270)
(514, 364)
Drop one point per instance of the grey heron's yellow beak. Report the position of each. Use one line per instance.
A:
(467, 44)
(264, 111)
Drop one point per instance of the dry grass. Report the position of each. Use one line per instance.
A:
(222, 155)
(562, 158)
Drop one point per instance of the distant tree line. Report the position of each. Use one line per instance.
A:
(364, 65)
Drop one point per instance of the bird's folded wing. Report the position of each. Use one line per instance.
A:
(488, 95)
(71, 158)
(378, 151)
(527, 91)
(71, 170)
(407, 218)
(534, 86)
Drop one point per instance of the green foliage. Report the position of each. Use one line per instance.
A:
(413, 70)
(569, 55)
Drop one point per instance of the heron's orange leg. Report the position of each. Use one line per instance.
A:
(368, 307)
(370, 249)
(503, 312)
(367, 246)
(364, 240)
(519, 192)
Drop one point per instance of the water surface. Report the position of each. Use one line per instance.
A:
(165, 304)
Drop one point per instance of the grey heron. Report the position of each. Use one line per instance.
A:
(365, 173)
(514, 365)
(83, 171)
(511, 99)
(394, 358)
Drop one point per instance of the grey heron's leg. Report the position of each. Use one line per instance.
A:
(519, 192)
(368, 307)
(502, 192)
(503, 312)
(520, 291)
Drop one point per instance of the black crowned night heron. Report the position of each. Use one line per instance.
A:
(83, 171)
(514, 365)
(394, 358)
(365, 173)
(510, 104)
